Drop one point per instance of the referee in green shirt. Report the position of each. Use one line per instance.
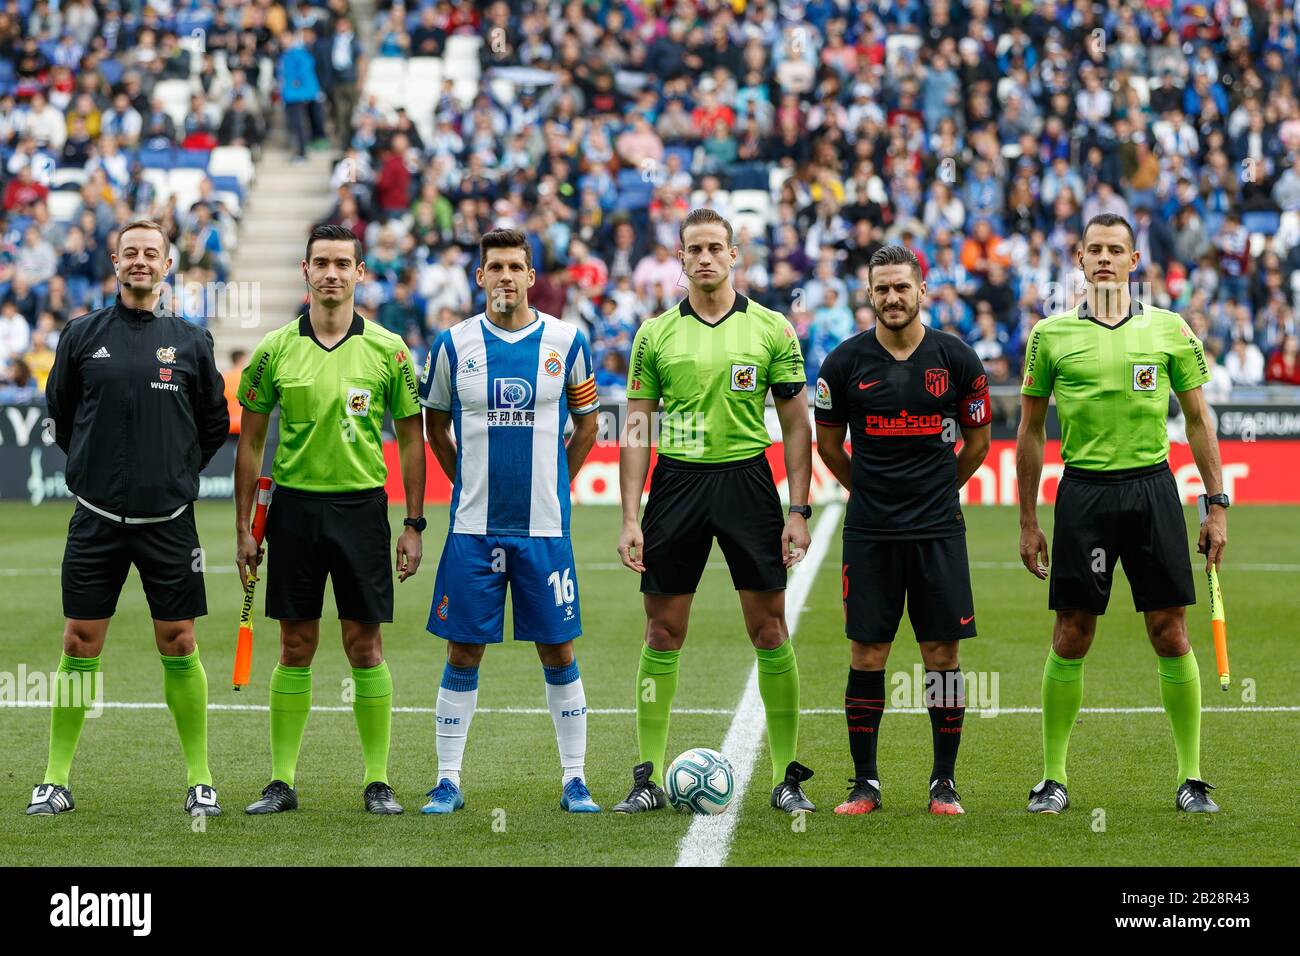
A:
(333, 374)
(712, 359)
(1111, 363)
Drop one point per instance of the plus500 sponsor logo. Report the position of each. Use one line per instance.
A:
(903, 424)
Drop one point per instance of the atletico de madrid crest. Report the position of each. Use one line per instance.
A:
(936, 381)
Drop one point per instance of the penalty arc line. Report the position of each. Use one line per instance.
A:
(709, 838)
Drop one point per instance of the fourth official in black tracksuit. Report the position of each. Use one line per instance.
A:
(139, 407)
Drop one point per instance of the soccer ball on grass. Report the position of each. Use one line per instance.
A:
(700, 781)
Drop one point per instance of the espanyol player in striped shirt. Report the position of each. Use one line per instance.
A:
(505, 381)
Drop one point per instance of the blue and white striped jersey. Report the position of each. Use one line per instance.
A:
(509, 395)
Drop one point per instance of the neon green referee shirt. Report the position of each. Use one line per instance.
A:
(1112, 383)
(332, 402)
(713, 379)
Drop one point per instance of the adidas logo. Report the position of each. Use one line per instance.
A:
(102, 353)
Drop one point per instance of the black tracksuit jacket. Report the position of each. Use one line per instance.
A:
(138, 406)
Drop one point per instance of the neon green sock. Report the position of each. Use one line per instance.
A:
(185, 688)
(373, 709)
(778, 685)
(1062, 698)
(68, 716)
(656, 683)
(1180, 692)
(290, 707)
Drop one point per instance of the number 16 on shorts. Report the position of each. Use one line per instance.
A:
(470, 591)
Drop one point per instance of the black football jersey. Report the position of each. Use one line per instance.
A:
(904, 421)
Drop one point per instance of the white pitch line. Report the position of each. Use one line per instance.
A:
(687, 711)
(709, 837)
(711, 566)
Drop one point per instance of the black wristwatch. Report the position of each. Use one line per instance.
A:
(1221, 499)
(419, 524)
(804, 510)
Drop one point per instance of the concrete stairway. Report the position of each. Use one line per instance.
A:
(284, 203)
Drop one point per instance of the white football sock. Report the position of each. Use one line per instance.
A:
(454, 712)
(568, 705)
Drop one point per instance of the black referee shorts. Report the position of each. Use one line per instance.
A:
(691, 503)
(344, 536)
(100, 552)
(930, 575)
(1104, 518)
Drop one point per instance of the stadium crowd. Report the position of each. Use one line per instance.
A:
(113, 110)
(982, 135)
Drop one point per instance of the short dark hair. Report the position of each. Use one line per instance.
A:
(505, 239)
(1110, 219)
(143, 224)
(895, 256)
(335, 233)
(702, 217)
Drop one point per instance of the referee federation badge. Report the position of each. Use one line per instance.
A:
(1144, 378)
(744, 378)
(358, 401)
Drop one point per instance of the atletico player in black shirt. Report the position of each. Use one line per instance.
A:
(905, 393)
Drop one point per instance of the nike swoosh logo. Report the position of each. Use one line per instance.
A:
(958, 717)
(967, 620)
(866, 385)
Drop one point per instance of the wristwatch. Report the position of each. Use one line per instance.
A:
(419, 524)
(1221, 499)
(804, 510)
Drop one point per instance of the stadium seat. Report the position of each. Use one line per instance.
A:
(629, 179)
(465, 89)
(633, 198)
(752, 200)
(175, 97)
(776, 178)
(459, 70)
(463, 46)
(900, 46)
(228, 184)
(63, 205)
(192, 158)
(424, 72)
(111, 70)
(234, 161)
(387, 91)
(684, 153)
(1143, 88)
(386, 69)
(68, 178)
(757, 224)
(503, 91)
(157, 158)
(1288, 233)
(1261, 220)
(185, 198)
(721, 195)
(230, 199)
(185, 182)
(161, 181)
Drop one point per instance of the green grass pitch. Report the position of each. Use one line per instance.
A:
(128, 778)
